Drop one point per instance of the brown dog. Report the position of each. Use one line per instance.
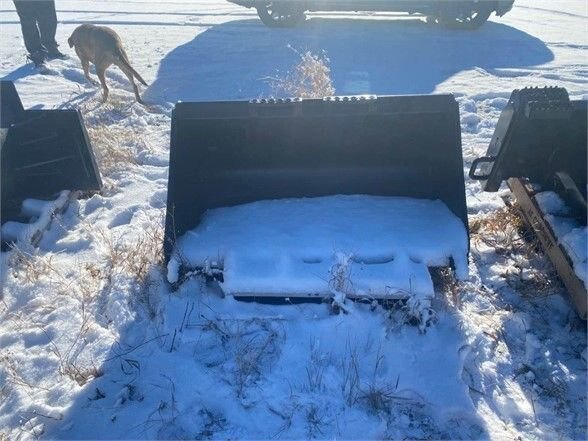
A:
(103, 47)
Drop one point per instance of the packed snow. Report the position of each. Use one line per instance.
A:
(95, 343)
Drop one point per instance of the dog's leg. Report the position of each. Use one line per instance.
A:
(86, 67)
(131, 78)
(100, 71)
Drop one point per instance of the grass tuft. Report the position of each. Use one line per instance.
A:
(310, 78)
(116, 147)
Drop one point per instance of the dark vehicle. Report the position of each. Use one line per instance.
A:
(458, 14)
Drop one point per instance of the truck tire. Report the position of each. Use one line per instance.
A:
(280, 16)
(464, 19)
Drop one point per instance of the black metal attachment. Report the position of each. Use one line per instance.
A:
(540, 144)
(230, 153)
(42, 153)
(476, 165)
(539, 133)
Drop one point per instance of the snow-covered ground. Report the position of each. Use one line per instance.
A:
(94, 344)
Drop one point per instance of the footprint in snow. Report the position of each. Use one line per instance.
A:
(159, 199)
(124, 217)
(96, 202)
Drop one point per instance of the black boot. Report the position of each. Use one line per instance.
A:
(38, 58)
(54, 53)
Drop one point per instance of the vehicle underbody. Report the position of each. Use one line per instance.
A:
(462, 14)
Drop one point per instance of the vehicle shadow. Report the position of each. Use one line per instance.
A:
(231, 60)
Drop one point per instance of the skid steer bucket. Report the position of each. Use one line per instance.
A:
(225, 154)
(539, 148)
(43, 153)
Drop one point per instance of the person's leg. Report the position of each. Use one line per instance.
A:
(28, 23)
(47, 21)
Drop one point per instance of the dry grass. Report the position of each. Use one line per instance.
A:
(286, 415)
(67, 351)
(69, 365)
(340, 275)
(351, 377)
(28, 266)
(135, 257)
(310, 78)
(116, 147)
(13, 375)
(250, 354)
(314, 422)
(212, 422)
(248, 347)
(116, 143)
(444, 281)
(315, 370)
(505, 231)
(131, 260)
(375, 394)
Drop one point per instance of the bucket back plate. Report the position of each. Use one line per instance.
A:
(231, 153)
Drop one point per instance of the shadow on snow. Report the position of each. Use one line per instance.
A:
(230, 61)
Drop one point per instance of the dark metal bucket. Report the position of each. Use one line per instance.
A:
(43, 152)
(230, 153)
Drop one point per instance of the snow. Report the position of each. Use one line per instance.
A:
(95, 344)
(41, 213)
(572, 235)
(291, 247)
(551, 203)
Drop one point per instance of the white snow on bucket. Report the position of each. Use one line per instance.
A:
(362, 246)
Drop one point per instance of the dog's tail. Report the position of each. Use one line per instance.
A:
(124, 60)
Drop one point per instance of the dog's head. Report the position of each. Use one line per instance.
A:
(73, 39)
